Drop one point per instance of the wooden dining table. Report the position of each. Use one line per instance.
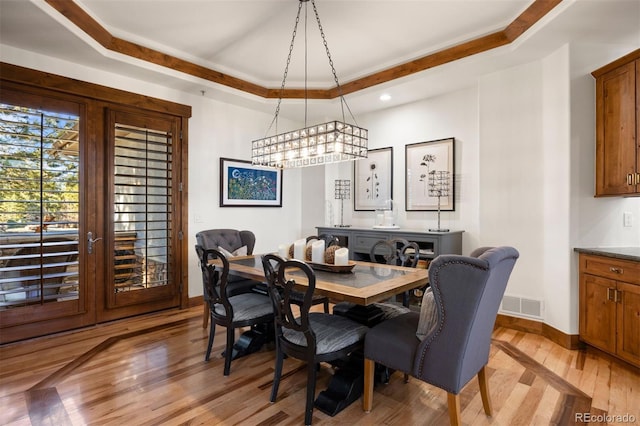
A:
(364, 285)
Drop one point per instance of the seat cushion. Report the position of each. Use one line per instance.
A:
(298, 297)
(247, 306)
(332, 332)
(393, 342)
(428, 315)
(242, 251)
(391, 310)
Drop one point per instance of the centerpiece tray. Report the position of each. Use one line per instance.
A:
(341, 269)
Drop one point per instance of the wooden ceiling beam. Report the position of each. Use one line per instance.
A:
(536, 11)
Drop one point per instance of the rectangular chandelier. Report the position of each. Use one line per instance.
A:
(320, 144)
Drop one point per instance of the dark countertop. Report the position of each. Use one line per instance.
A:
(626, 253)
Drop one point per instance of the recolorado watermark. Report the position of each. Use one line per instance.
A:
(604, 418)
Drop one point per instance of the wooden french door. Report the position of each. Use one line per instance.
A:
(90, 212)
(141, 232)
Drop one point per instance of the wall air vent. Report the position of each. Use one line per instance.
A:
(520, 306)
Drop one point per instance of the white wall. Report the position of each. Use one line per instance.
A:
(525, 155)
(222, 130)
(561, 310)
(454, 115)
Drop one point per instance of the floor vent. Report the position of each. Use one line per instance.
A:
(522, 306)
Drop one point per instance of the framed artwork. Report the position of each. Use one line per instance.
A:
(373, 180)
(430, 175)
(244, 185)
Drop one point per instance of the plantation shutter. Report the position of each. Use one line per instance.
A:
(142, 208)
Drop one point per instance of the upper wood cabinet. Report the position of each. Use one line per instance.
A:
(618, 126)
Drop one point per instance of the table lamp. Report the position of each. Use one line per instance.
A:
(342, 192)
(439, 187)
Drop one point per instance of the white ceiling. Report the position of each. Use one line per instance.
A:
(249, 39)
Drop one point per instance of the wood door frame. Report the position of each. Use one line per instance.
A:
(95, 99)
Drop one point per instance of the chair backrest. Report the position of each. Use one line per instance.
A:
(395, 252)
(467, 291)
(280, 283)
(214, 279)
(228, 239)
(329, 240)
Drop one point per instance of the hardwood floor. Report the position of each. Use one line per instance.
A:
(150, 370)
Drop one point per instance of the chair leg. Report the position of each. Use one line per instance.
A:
(484, 391)
(326, 306)
(311, 392)
(405, 299)
(228, 352)
(205, 315)
(212, 334)
(277, 373)
(367, 395)
(454, 409)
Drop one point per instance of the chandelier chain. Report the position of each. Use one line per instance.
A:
(343, 102)
(286, 70)
(333, 68)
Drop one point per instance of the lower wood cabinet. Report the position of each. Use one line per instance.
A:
(610, 305)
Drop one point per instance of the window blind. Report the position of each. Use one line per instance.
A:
(142, 207)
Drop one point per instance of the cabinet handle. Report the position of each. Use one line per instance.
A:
(630, 179)
(611, 294)
(637, 178)
(617, 296)
(616, 270)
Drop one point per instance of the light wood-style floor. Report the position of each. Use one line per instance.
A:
(150, 370)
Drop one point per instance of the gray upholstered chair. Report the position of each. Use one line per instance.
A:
(313, 337)
(455, 324)
(229, 239)
(241, 310)
(233, 241)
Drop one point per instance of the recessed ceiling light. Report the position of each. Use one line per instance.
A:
(385, 97)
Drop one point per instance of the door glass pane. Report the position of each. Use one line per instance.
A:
(142, 208)
(39, 193)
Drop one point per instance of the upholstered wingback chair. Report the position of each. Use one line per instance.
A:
(231, 241)
(448, 342)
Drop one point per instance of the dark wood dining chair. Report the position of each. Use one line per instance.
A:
(448, 342)
(313, 337)
(231, 240)
(396, 252)
(329, 240)
(241, 310)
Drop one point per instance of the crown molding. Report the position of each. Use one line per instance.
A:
(78, 17)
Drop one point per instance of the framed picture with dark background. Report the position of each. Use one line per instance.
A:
(244, 185)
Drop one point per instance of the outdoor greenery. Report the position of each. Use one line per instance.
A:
(39, 168)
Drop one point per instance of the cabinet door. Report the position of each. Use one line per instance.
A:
(597, 312)
(629, 322)
(616, 149)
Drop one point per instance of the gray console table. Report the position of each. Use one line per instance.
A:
(360, 240)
